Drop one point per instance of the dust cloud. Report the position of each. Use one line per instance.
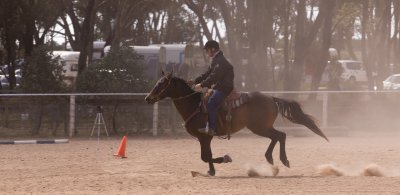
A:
(261, 170)
(368, 170)
(351, 114)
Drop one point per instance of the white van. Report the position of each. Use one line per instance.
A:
(353, 71)
(70, 61)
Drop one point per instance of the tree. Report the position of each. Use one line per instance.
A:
(302, 43)
(119, 71)
(82, 15)
(328, 9)
(261, 37)
(42, 72)
(11, 28)
(198, 9)
(38, 18)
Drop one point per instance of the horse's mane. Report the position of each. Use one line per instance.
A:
(183, 82)
(186, 87)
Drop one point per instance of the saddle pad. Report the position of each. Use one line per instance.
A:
(236, 102)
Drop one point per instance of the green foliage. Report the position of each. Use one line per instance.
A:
(120, 71)
(42, 73)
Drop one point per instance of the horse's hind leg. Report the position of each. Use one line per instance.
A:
(275, 136)
(268, 153)
(282, 146)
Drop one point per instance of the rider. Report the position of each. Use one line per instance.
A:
(219, 76)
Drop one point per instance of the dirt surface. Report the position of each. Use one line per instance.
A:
(164, 165)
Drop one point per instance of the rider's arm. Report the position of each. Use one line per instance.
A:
(203, 76)
(215, 75)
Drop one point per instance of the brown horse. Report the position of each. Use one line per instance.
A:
(258, 115)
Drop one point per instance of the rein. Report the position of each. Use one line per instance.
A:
(184, 97)
(195, 112)
(180, 98)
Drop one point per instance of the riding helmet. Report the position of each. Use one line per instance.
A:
(211, 44)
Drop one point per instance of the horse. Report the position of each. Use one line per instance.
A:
(258, 115)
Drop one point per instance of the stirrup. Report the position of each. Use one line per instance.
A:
(207, 131)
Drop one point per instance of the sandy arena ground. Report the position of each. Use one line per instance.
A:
(164, 165)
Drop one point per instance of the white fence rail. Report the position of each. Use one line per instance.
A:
(323, 98)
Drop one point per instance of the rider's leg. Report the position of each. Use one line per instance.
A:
(214, 102)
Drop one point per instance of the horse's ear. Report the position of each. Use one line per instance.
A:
(169, 75)
(162, 73)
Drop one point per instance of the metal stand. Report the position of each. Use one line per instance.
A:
(99, 122)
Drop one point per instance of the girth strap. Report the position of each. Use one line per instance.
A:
(192, 115)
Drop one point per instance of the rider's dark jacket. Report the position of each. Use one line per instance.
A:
(220, 73)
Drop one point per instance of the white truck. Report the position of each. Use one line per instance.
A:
(174, 58)
(353, 71)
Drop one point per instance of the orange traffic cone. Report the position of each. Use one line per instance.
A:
(121, 149)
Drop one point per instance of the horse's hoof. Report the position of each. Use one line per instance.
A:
(211, 173)
(270, 161)
(286, 163)
(227, 159)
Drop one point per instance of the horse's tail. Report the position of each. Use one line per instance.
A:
(293, 111)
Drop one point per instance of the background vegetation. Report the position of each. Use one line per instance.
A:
(300, 31)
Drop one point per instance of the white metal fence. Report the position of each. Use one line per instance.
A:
(334, 110)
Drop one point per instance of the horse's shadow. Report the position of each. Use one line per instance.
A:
(264, 177)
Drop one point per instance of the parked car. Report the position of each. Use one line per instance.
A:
(353, 71)
(392, 82)
(4, 82)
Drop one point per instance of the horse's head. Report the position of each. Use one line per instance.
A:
(160, 90)
(166, 86)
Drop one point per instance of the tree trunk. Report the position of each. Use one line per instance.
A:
(296, 72)
(85, 37)
(29, 27)
(142, 35)
(364, 51)
(303, 41)
(10, 37)
(396, 39)
(349, 45)
(260, 38)
(328, 7)
(286, 49)
(198, 10)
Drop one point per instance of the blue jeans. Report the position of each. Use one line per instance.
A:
(214, 102)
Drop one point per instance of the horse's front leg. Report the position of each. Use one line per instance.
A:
(206, 155)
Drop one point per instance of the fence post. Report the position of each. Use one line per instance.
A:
(172, 117)
(71, 115)
(155, 119)
(325, 109)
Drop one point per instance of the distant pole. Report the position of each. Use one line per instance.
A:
(71, 115)
(325, 109)
(155, 119)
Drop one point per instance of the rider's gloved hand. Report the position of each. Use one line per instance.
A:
(190, 82)
(198, 87)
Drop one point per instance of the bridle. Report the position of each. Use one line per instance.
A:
(179, 98)
(157, 97)
(173, 99)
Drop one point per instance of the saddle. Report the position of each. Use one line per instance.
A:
(234, 100)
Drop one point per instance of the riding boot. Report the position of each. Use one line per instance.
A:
(207, 130)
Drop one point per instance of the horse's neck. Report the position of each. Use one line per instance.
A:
(187, 106)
